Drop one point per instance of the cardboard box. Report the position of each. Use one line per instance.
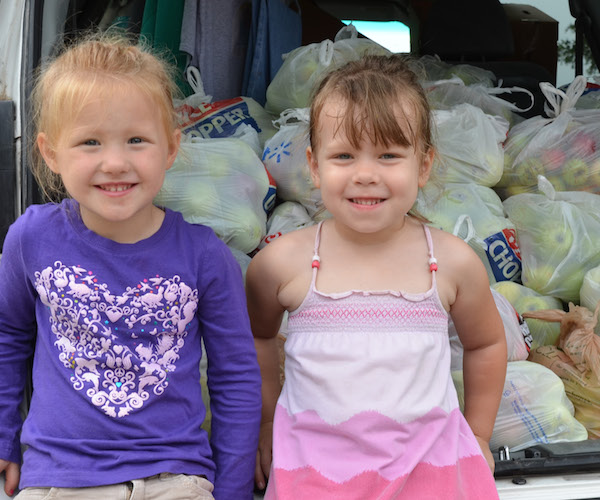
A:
(535, 36)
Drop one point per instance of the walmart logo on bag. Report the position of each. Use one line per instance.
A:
(282, 149)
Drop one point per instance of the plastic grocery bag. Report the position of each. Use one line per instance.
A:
(286, 217)
(559, 237)
(223, 184)
(475, 214)
(445, 94)
(534, 408)
(564, 148)
(589, 294)
(576, 360)
(199, 116)
(469, 146)
(590, 99)
(518, 338)
(436, 69)
(525, 300)
(304, 67)
(284, 157)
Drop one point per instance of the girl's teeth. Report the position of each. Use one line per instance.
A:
(366, 202)
(116, 189)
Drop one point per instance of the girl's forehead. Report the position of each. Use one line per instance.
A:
(334, 118)
(337, 106)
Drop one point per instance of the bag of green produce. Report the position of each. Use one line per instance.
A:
(488, 231)
(525, 300)
(221, 183)
(284, 156)
(468, 145)
(534, 408)
(199, 116)
(303, 68)
(435, 69)
(559, 237)
(445, 94)
(564, 148)
(286, 217)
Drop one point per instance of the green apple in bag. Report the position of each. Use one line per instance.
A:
(525, 299)
(559, 238)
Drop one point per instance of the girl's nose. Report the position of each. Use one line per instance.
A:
(114, 161)
(365, 172)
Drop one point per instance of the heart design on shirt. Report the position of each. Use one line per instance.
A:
(120, 349)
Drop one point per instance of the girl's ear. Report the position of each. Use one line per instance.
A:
(426, 165)
(173, 148)
(47, 152)
(313, 166)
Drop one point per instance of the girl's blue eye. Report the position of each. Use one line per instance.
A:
(135, 140)
(91, 142)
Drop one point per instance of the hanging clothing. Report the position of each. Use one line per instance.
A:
(214, 35)
(161, 26)
(276, 30)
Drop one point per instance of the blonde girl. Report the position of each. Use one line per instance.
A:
(368, 409)
(112, 296)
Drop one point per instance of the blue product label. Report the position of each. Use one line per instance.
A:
(504, 255)
(219, 119)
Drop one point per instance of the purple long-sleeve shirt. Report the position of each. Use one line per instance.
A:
(116, 333)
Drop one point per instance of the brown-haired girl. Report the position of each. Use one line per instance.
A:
(368, 409)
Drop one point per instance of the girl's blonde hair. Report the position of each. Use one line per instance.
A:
(95, 66)
(384, 102)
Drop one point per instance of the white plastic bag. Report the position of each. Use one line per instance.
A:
(436, 69)
(445, 94)
(534, 408)
(589, 294)
(564, 148)
(469, 146)
(199, 116)
(525, 300)
(304, 67)
(559, 237)
(220, 183)
(284, 157)
(286, 217)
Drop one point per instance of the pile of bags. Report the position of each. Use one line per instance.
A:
(524, 193)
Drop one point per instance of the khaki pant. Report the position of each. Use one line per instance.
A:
(160, 487)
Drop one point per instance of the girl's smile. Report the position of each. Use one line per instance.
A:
(366, 201)
(119, 188)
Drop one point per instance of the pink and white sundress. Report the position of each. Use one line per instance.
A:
(368, 409)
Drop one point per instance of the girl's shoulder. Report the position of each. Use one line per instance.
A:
(43, 216)
(453, 250)
(288, 253)
(294, 242)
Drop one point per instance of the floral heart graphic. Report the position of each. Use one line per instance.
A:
(120, 348)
